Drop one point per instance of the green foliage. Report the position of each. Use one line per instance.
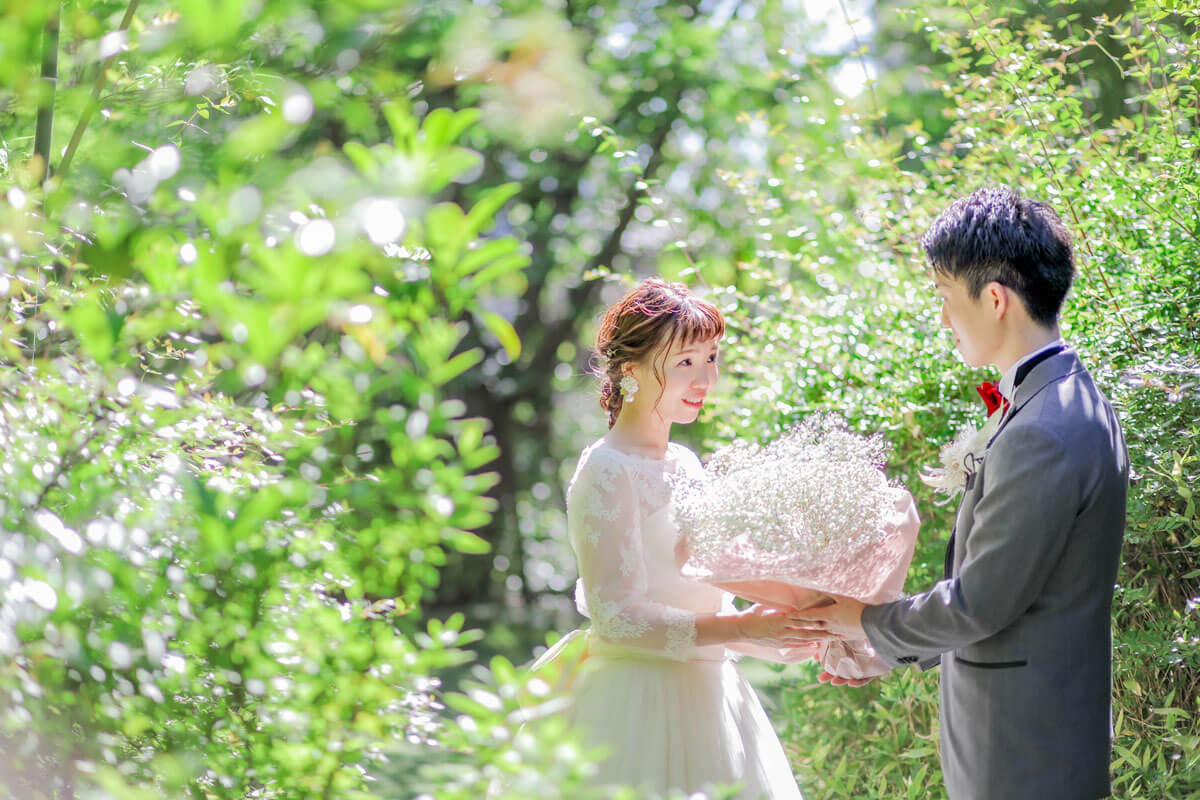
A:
(834, 312)
(232, 462)
(290, 330)
(876, 742)
(508, 739)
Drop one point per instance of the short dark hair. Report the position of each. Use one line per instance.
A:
(994, 234)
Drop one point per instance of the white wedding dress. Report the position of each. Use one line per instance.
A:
(672, 715)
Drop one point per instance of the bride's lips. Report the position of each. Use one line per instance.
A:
(695, 403)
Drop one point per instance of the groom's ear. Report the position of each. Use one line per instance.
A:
(998, 298)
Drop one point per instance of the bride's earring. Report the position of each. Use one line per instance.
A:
(629, 387)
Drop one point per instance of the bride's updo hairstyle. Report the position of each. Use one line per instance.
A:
(643, 327)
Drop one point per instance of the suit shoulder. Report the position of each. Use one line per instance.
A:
(1071, 403)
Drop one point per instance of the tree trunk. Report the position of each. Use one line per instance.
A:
(470, 579)
(49, 84)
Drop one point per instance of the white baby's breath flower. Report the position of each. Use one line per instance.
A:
(798, 509)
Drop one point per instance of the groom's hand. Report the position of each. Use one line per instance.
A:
(841, 618)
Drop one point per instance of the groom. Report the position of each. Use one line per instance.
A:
(1021, 623)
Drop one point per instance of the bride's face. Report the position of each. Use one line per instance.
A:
(688, 371)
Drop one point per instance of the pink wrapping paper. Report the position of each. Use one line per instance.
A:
(873, 574)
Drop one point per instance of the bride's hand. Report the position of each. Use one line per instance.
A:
(774, 627)
(836, 680)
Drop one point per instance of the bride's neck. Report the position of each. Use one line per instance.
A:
(643, 434)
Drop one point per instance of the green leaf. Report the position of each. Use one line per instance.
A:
(363, 158)
(258, 136)
(486, 252)
(449, 165)
(402, 123)
(477, 458)
(469, 543)
(502, 669)
(97, 328)
(483, 213)
(443, 126)
(446, 230)
(110, 256)
(454, 367)
(464, 704)
(501, 267)
(503, 330)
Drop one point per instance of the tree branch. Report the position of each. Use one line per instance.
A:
(94, 102)
(69, 460)
(584, 294)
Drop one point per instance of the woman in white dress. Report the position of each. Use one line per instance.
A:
(658, 689)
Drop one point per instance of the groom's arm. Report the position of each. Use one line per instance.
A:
(1020, 528)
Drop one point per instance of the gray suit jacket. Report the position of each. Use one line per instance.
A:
(1022, 625)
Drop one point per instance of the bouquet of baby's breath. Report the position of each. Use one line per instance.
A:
(786, 523)
(811, 510)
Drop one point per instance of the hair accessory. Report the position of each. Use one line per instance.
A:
(606, 357)
(629, 388)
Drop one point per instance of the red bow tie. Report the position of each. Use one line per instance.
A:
(990, 392)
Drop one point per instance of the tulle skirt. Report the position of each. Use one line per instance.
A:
(685, 726)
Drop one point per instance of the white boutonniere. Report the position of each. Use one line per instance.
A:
(963, 455)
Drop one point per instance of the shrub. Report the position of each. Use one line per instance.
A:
(834, 312)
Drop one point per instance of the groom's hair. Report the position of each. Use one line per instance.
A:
(994, 234)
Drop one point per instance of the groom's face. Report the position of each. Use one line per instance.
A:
(972, 320)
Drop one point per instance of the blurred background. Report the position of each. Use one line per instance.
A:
(299, 300)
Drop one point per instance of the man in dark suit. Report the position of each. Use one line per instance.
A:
(1021, 624)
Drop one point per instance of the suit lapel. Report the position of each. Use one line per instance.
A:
(1051, 370)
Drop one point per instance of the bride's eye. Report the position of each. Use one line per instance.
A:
(687, 362)
(712, 359)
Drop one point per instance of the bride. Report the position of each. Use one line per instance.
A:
(658, 690)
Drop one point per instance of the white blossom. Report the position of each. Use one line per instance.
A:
(810, 508)
(960, 457)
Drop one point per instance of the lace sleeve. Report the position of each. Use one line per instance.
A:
(688, 462)
(604, 525)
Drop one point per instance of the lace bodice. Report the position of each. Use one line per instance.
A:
(618, 522)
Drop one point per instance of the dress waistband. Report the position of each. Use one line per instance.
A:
(595, 647)
(598, 648)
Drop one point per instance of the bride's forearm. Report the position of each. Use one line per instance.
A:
(759, 624)
(723, 628)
